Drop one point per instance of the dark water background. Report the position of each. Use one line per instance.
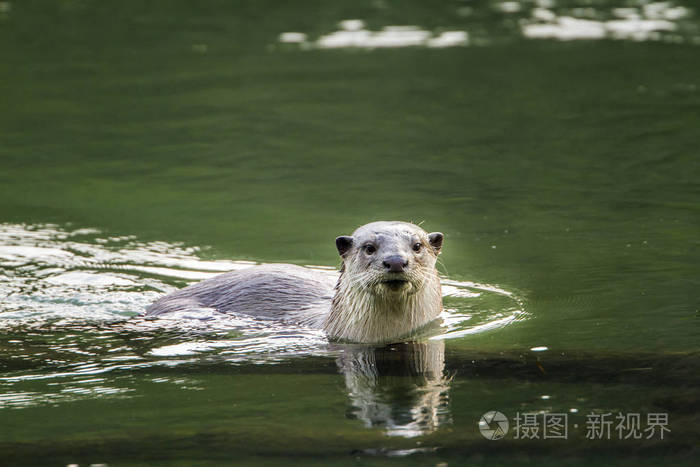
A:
(144, 145)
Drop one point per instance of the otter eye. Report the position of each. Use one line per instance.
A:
(370, 249)
(416, 247)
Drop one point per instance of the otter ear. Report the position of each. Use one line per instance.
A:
(435, 239)
(343, 243)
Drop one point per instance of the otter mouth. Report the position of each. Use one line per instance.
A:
(395, 284)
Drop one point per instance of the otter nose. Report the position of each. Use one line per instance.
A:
(395, 263)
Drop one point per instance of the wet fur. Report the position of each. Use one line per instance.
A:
(363, 310)
(360, 308)
(273, 291)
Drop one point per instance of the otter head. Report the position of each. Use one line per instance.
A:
(388, 286)
(389, 258)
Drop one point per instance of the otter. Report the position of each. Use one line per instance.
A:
(387, 288)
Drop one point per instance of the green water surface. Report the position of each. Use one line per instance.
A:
(565, 172)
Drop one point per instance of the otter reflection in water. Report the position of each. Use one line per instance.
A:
(400, 387)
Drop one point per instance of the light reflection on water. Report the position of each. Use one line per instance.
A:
(353, 34)
(539, 19)
(653, 21)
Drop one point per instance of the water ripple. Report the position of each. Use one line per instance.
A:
(72, 305)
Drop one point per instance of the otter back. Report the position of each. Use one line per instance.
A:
(274, 291)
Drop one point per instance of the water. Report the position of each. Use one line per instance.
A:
(146, 146)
